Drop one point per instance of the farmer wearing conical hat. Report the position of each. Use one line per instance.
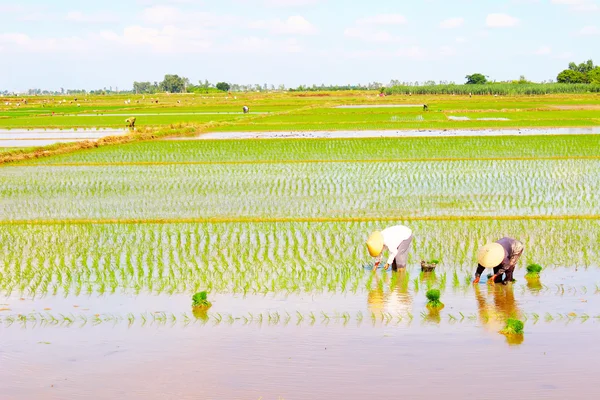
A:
(502, 256)
(396, 240)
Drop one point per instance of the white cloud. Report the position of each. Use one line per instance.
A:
(452, 23)
(290, 3)
(78, 16)
(168, 39)
(579, 5)
(460, 39)
(589, 31)
(367, 35)
(501, 21)
(294, 25)
(383, 19)
(21, 42)
(543, 51)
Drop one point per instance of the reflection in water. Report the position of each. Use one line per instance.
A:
(503, 306)
(390, 294)
(200, 314)
(534, 284)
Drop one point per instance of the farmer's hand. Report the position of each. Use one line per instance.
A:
(476, 280)
(376, 266)
(492, 280)
(387, 266)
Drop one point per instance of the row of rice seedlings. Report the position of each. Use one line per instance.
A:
(47, 319)
(248, 258)
(460, 188)
(336, 149)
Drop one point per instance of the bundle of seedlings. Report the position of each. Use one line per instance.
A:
(533, 271)
(514, 327)
(433, 297)
(429, 266)
(200, 301)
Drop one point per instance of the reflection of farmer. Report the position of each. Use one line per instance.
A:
(397, 240)
(504, 306)
(396, 301)
(502, 256)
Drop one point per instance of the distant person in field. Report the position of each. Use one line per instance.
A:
(502, 256)
(397, 240)
(130, 122)
(246, 109)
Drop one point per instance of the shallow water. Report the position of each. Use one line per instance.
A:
(391, 133)
(381, 106)
(44, 137)
(425, 356)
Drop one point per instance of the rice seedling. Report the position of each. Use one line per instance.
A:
(533, 271)
(433, 299)
(513, 327)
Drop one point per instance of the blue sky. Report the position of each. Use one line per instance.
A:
(94, 44)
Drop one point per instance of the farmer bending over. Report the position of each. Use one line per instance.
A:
(396, 240)
(502, 256)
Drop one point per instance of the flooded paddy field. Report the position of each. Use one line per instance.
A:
(88, 304)
(42, 137)
(102, 251)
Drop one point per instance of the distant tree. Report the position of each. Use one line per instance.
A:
(173, 84)
(476, 79)
(143, 87)
(594, 76)
(223, 86)
(571, 76)
(584, 68)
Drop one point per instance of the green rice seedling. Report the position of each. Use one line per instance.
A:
(533, 271)
(200, 301)
(433, 299)
(513, 327)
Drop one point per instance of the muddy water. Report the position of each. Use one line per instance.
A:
(43, 137)
(419, 357)
(397, 133)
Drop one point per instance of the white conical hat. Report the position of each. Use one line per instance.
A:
(375, 244)
(490, 255)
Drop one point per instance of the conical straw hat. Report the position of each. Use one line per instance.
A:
(490, 255)
(375, 244)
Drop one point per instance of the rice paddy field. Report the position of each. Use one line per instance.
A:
(102, 250)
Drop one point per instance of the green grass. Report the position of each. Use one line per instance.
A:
(292, 113)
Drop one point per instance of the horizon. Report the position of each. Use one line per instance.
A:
(290, 42)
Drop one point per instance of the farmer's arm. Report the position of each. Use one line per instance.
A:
(478, 273)
(377, 262)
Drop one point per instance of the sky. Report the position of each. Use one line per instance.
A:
(112, 43)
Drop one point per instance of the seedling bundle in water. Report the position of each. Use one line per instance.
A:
(533, 271)
(513, 327)
(200, 301)
(433, 295)
(429, 266)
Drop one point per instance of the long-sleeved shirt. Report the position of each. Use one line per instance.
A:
(392, 237)
(512, 251)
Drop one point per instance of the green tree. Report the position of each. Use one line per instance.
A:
(594, 76)
(571, 76)
(476, 79)
(173, 84)
(584, 68)
(223, 86)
